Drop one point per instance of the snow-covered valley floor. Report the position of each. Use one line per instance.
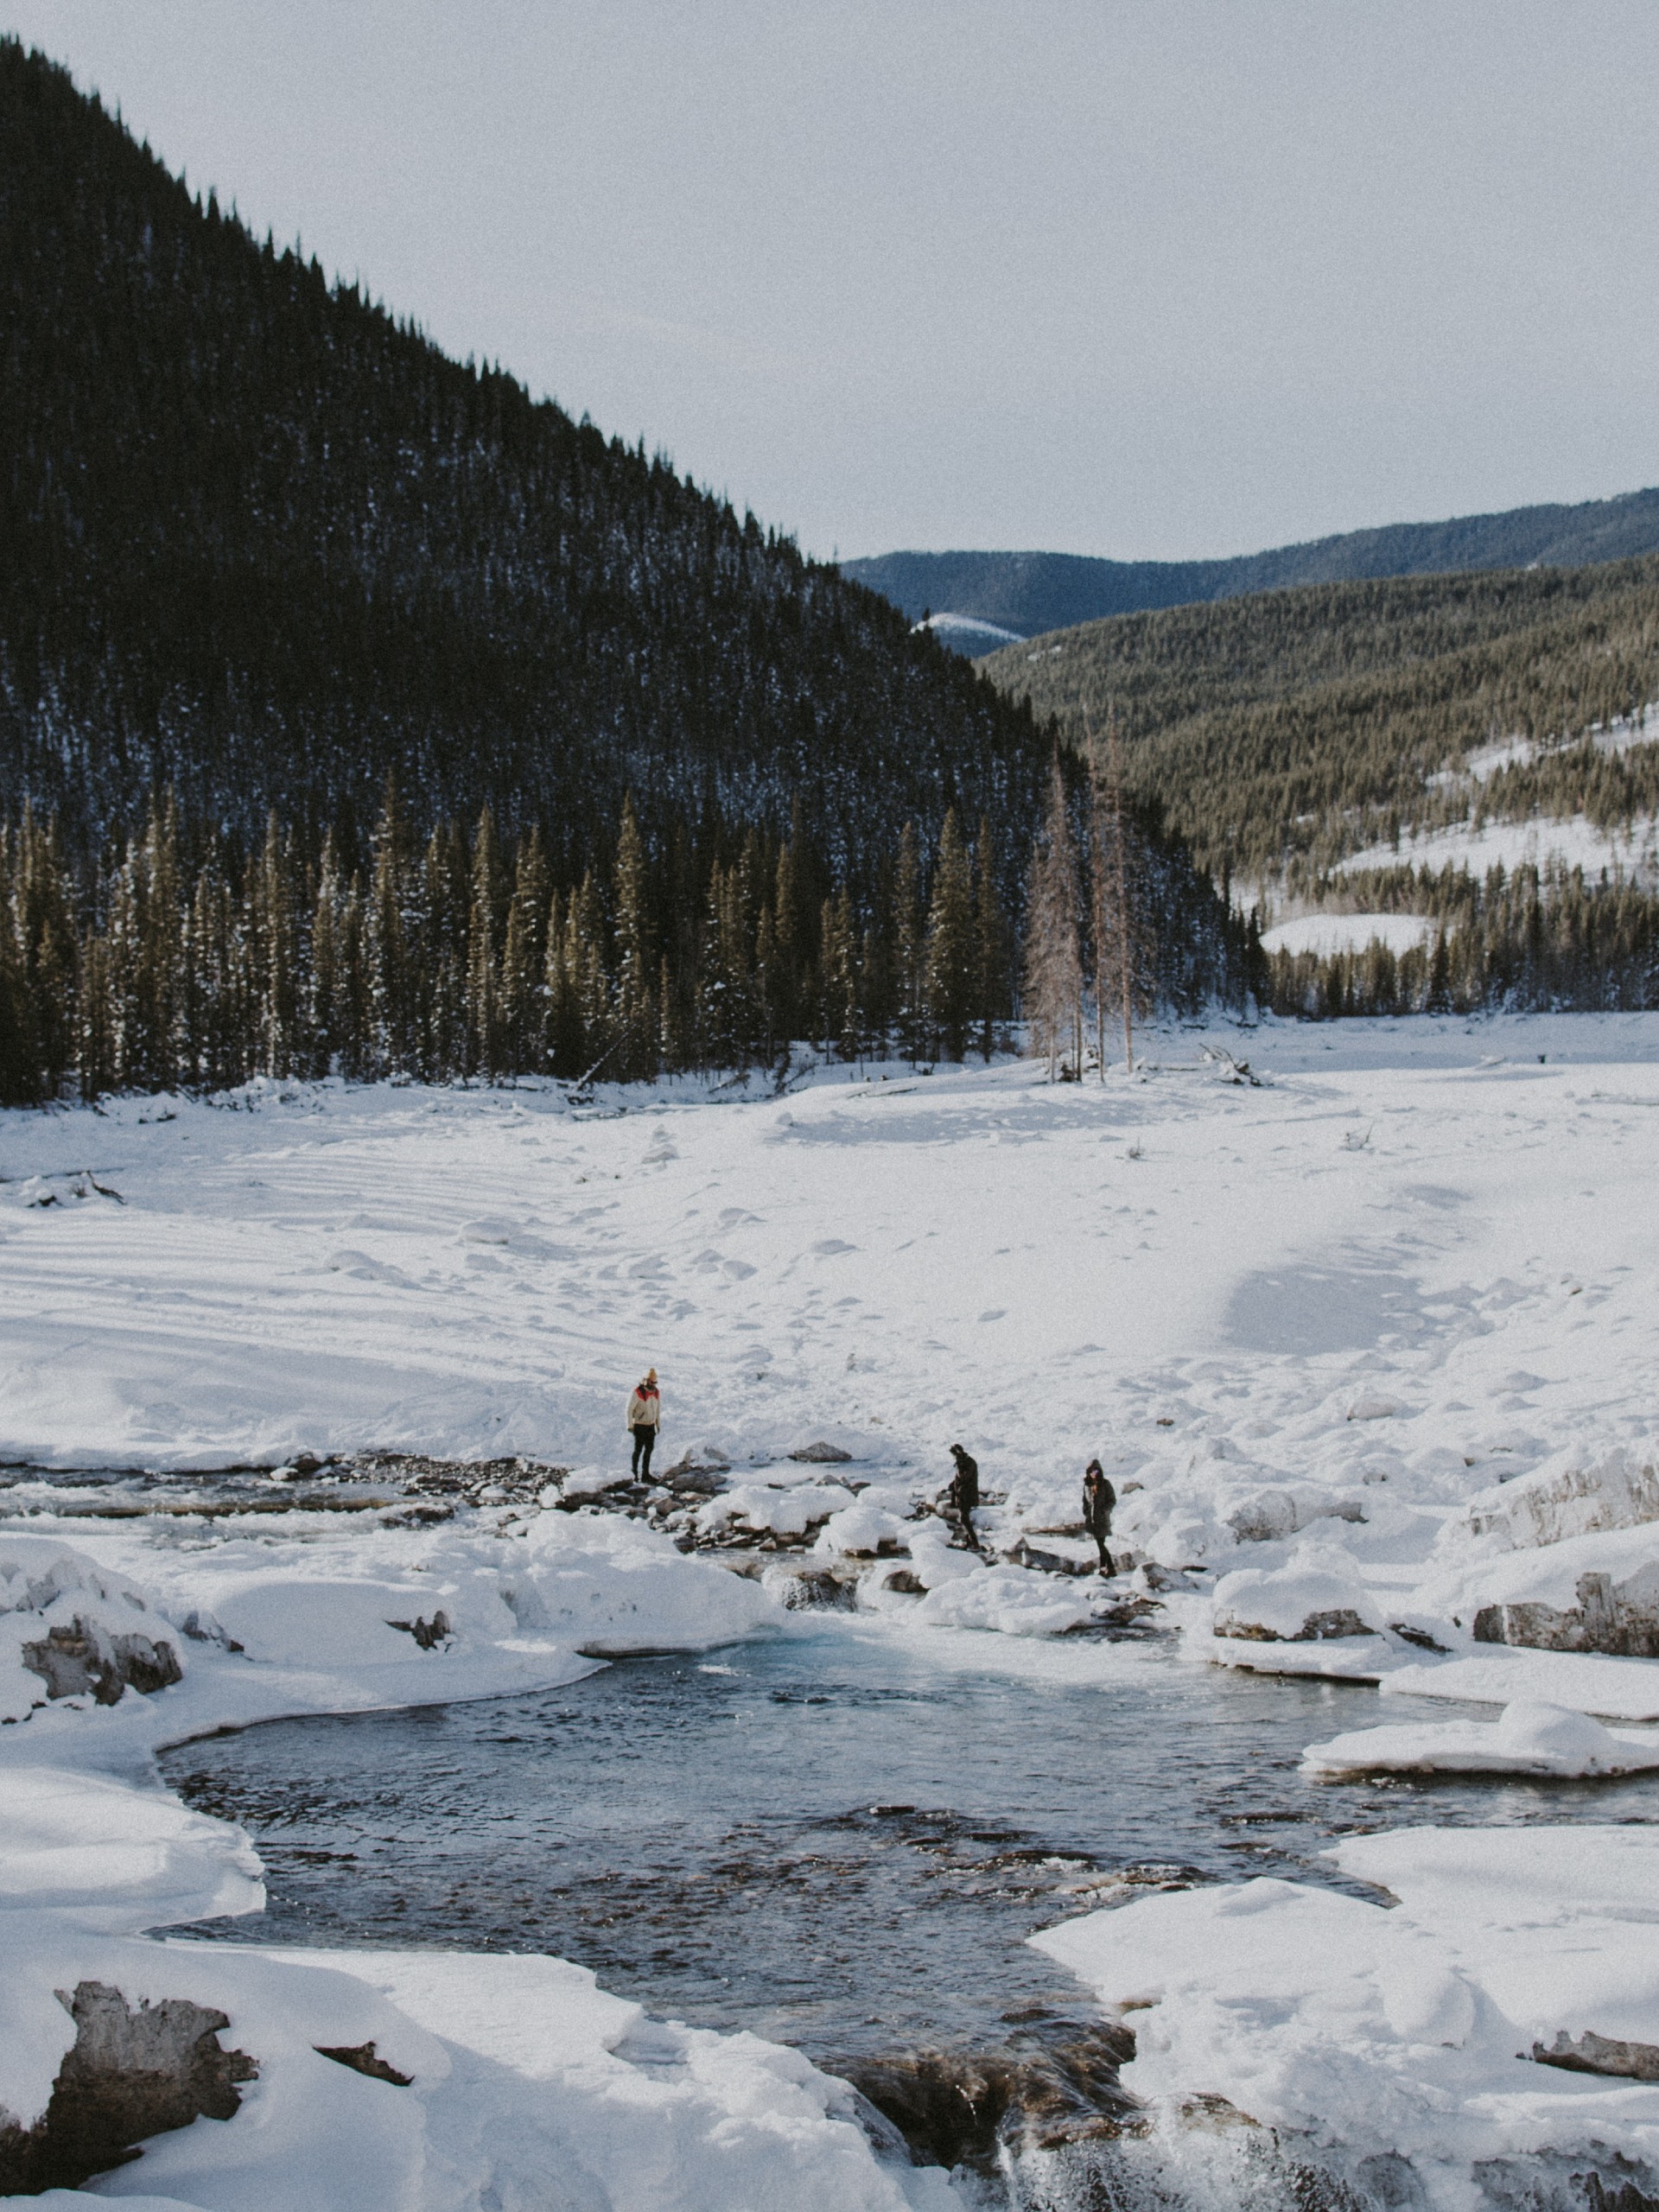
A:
(1368, 1350)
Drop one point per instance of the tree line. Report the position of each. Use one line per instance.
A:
(174, 962)
(1526, 940)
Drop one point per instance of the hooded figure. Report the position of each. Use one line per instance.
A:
(1098, 1500)
(964, 1493)
(644, 1418)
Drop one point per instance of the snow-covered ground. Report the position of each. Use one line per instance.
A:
(1328, 933)
(1541, 841)
(1367, 1349)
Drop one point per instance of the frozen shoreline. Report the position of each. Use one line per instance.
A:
(1366, 1351)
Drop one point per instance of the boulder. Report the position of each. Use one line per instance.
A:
(1553, 1504)
(1023, 1552)
(131, 2073)
(70, 1629)
(84, 1659)
(1596, 1593)
(1590, 2053)
(822, 1455)
(1054, 2082)
(1268, 1515)
(1607, 1617)
(1317, 1596)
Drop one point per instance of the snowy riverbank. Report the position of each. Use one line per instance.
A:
(1367, 1349)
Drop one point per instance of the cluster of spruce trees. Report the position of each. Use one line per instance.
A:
(175, 963)
(456, 956)
(1522, 941)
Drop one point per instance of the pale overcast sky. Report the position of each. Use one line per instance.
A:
(1152, 278)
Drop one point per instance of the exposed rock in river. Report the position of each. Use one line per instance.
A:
(1053, 2081)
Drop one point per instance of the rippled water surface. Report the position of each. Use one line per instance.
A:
(839, 1837)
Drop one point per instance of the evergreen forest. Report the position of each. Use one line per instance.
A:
(1287, 733)
(360, 712)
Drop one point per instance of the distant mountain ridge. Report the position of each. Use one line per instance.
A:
(1031, 593)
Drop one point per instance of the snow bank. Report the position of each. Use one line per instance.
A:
(1365, 2032)
(517, 2067)
(98, 1853)
(1528, 1738)
(325, 1617)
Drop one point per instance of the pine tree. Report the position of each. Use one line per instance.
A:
(1125, 950)
(483, 974)
(906, 932)
(272, 952)
(951, 956)
(391, 1044)
(991, 945)
(840, 1025)
(524, 961)
(636, 959)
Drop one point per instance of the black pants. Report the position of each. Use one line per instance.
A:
(644, 1436)
(1100, 1530)
(964, 1503)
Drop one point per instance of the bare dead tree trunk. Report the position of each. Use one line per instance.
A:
(1053, 968)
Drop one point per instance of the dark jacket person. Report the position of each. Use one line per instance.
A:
(964, 1493)
(1098, 1500)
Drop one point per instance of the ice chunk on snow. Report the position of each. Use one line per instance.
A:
(1528, 1738)
(935, 1560)
(603, 1584)
(1613, 1690)
(788, 1511)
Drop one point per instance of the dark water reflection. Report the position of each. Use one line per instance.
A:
(827, 1837)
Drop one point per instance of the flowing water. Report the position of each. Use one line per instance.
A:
(838, 1836)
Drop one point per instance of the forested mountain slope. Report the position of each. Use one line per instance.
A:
(1030, 593)
(1286, 731)
(357, 711)
(1387, 744)
(264, 545)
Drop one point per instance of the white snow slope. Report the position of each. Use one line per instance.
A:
(1368, 1352)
